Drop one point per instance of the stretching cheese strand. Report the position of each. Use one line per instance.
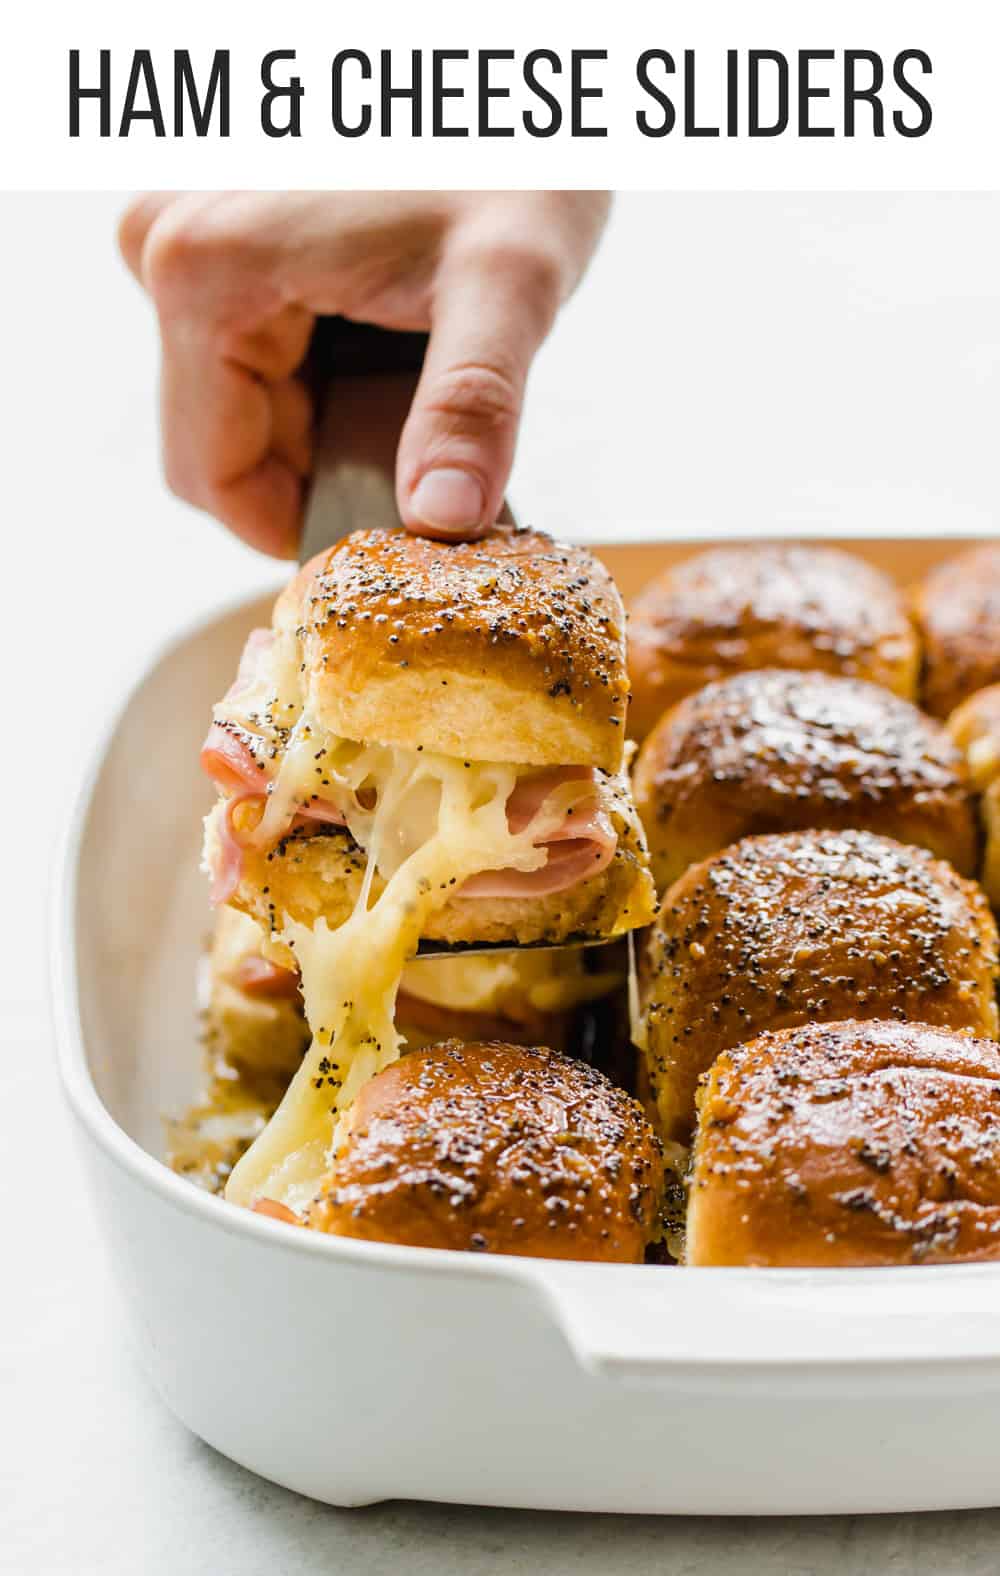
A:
(351, 975)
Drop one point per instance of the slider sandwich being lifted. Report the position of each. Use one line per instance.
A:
(428, 745)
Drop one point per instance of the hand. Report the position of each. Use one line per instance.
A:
(238, 280)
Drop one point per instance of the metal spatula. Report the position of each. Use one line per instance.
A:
(364, 379)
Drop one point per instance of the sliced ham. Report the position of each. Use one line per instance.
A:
(227, 870)
(257, 976)
(276, 1211)
(582, 846)
(224, 756)
(569, 860)
(319, 810)
(230, 763)
(530, 793)
(232, 767)
(258, 645)
(227, 866)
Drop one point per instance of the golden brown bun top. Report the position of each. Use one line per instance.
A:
(499, 1149)
(849, 1143)
(781, 731)
(508, 648)
(731, 609)
(809, 926)
(958, 610)
(778, 749)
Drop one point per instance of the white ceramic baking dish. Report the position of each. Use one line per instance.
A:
(355, 1372)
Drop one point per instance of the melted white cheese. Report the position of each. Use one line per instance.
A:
(638, 1025)
(507, 982)
(455, 818)
(269, 699)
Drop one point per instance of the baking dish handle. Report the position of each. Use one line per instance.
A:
(756, 1328)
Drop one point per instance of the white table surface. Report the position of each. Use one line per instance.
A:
(819, 364)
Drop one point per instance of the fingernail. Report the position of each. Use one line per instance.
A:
(448, 500)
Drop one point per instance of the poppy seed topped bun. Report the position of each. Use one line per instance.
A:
(509, 648)
(809, 927)
(496, 1149)
(779, 750)
(852, 1143)
(958, 612)
(732, 609)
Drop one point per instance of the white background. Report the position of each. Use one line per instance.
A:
(962, 38)
(816, 363)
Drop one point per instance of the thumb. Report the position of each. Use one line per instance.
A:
(457, 447)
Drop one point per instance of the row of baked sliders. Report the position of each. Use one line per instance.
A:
(429, 746)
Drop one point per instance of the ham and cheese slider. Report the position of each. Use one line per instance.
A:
(808, 927)
(957, 610)
(496, 1148)
(429, 744)
(848, 1144)
(778, 750)
(402, 677)
(765, 605)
